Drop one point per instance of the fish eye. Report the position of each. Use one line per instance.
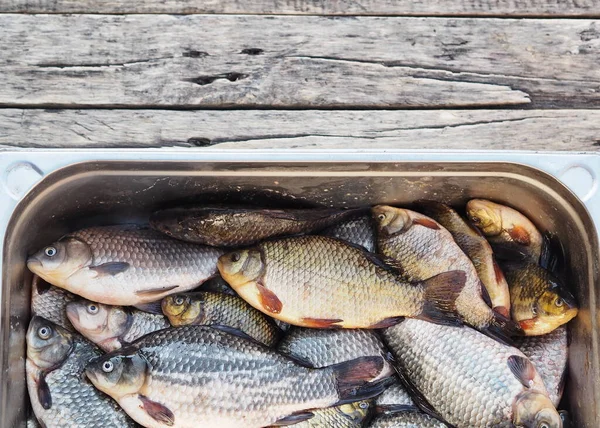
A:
(235, 257)
(50, 251)
(381, 216)
(44, 332)
(559, 302)
(92, 308)
(108, 366)
(543, 425)
(178, 300)
(363, 405)
(534, 310)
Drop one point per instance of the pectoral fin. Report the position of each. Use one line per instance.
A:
(43, 391)
(110, 269)
(523, 369)
(155, 291)
(157, 411)
(269, 300)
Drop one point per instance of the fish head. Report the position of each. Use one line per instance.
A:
(58, 261)
(486, 215)
(241, 267)
(355, 412)
(535, 410)
(48, 344)
(180, 309)
(118, 374)
(555, 307)
(97, 321)
(390, 220)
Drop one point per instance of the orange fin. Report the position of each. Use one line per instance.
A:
(269, 300)
(498, 273)
(387, 322)
(426, 223)
(520, 235)
(321, 323)
(157, 411)
(527, 324)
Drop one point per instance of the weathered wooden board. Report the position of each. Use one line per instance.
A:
(412, 129)
(317, 7)
(196, 61)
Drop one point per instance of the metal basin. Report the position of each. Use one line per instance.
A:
(46, 194)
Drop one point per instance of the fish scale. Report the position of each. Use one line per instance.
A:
(359, 231)
(463, 374)
(75, 402)
(50, 302)
(406, 419)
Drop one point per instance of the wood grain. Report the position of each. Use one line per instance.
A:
(317, 7)
(238, 129)
(196, 61)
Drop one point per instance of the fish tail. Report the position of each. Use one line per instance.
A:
(441, 292)
(501, 329)
(354, 379)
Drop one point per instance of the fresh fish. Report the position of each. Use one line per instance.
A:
(50, 302)
(411, 418)
(112, 327)
(506, 227)
(469, 379)
(395, 395)
(358, 231)
(477, 248)
(351, 415)
(206, 308)
(123, 265)
(322, 282)
(242, 226)
(322, 348)
(423, 248)
(194, 376)
(539, 301)
(548, 353)
(60, 395)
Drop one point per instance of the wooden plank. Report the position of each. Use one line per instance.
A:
(314, 7)
(197, 61)
(243, 129)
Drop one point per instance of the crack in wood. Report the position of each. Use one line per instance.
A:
(207, 80)
(99, 65)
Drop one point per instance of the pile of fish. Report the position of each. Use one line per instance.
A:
(240, 317)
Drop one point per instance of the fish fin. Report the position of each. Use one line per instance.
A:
(520, 235)
(387, 322)
(292, 419)
(502, 310)
(508, 252)
(42, 285)
(415, 394)
(485, 295)
(523, 369)
(156, 291)
(553, 256)
(440, 296)
(426, 222)
(110, 269)
(43, 391)
(501, 328)
(388, 409)
(151, 307)
(235, 332)
(157, 411)
(269, 300)
(353, 378)
(498, 272)
(321, 322)
(527, 324)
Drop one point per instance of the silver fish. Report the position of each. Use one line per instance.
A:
(394, 395)
(60, 395)
(322, 348)
(112, 327)
(358, 230)
(548, 353)
(50, 302)
(203, 376)
(469, 379)
(351, 415)
(124, 265)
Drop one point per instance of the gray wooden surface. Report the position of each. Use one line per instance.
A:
(472, 74)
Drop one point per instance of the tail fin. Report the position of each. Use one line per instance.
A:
(441, 292)
(501, 329)
(354, 379)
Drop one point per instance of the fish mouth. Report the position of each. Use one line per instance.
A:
(72, 313)
(91, 375)
(34, 264)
